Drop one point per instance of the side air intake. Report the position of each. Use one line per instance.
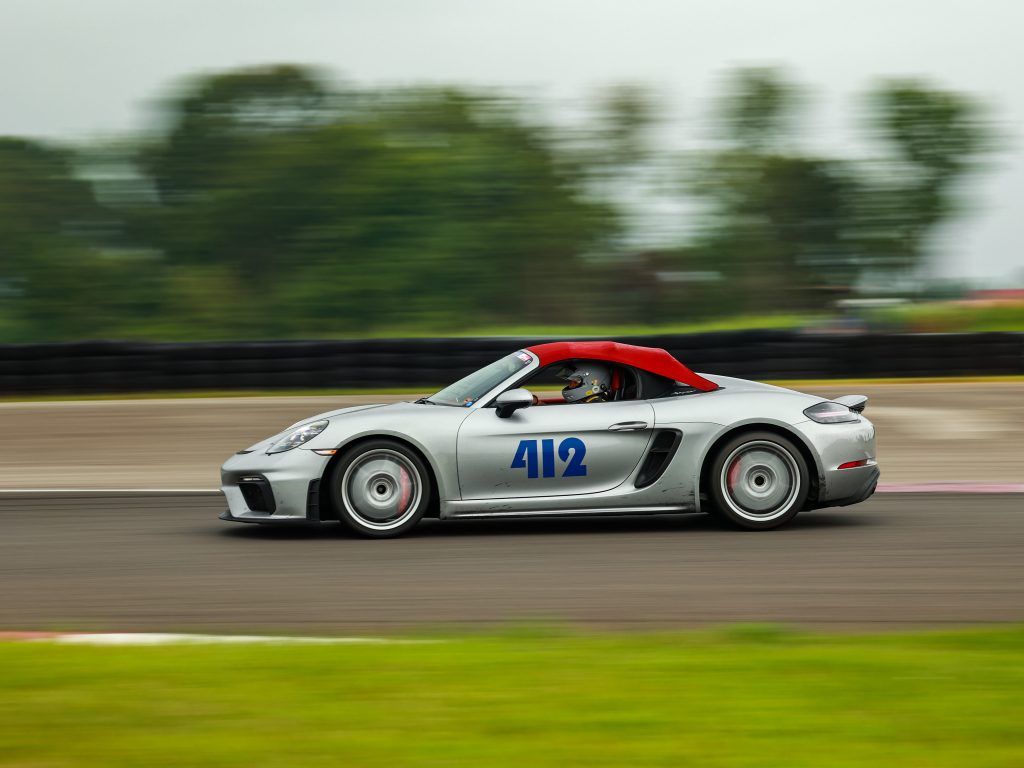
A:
(660, 454)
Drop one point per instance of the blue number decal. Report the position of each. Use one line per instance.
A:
(526, 458)
(548, 455)
(575, 466)
(571, 450)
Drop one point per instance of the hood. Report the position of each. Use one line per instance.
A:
(340, 412)
(326, 415)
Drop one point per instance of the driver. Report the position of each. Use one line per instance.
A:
(587, 383)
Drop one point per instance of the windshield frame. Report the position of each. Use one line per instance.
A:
(486, 397)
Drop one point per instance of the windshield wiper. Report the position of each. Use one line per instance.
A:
(428, 401)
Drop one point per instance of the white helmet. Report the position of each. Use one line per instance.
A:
(588, 382)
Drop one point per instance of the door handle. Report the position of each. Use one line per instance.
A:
(628, 426)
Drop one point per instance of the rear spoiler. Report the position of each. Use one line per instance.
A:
(855, 403)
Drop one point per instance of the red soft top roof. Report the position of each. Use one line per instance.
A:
(650, 359)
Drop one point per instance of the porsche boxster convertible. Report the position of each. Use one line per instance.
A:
(504, 442)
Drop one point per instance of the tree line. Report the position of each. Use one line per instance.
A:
(272, 202)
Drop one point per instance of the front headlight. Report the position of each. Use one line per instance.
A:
(298, 436)
(830, 413)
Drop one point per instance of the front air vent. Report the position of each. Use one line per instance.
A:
(257, 494)
(660, 454)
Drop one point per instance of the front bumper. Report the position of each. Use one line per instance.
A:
(275, 488)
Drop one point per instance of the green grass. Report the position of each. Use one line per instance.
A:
(942, 317)
(462, 328)
(735, 323)
(750, 696)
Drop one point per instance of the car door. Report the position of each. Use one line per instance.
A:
(552, 450)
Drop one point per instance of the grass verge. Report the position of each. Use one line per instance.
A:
(749, 696)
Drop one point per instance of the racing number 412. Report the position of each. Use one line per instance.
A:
(571, 451)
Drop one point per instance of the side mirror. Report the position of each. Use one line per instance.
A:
(511, 401)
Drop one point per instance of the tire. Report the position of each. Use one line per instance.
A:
(380, 489)
(758, 481)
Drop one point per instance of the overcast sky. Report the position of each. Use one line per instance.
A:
(87, 68)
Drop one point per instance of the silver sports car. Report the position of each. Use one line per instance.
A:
(649, 437)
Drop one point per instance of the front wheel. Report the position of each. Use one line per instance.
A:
(758, 480)
(380, 489)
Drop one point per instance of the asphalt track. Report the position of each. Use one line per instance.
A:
(165, 562)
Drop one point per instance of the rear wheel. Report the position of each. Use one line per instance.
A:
(758, 480)
(380, 489)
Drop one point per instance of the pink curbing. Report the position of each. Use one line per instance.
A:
(953, 487)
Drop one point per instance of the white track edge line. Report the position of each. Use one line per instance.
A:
(179, 638)
(108, 491)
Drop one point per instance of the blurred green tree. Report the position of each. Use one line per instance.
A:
(329, 212)
(273, 203)
(217, 119)
(758, 108)
(934, 138)
(55, 282)
(619, 134)
(774, 221)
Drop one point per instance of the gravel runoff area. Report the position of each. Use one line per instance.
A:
(926, 433)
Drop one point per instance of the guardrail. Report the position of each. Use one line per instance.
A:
(125, 367)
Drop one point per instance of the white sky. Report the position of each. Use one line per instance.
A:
(75, 69)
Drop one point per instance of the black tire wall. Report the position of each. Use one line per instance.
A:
(100, 367)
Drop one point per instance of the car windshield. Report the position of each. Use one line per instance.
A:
(468, 390)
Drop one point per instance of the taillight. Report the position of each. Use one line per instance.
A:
(830, 413)
(852, 464)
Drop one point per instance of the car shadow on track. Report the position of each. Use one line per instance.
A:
(688, 523)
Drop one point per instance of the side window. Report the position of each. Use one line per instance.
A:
(547, 384)
(653, 386)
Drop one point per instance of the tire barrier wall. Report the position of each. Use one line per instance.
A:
(126, 367)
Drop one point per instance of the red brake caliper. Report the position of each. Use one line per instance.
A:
(405, 483)
(734, 474)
